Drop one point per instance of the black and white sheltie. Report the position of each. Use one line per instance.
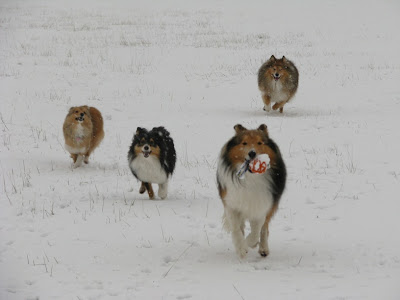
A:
(253, 197)
(152, 159)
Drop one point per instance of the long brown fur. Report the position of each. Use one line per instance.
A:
(279, 90)
(82, 137)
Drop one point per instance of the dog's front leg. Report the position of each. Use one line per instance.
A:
(78, 161)
(267, 102)
(236, 225)
(163, 190)
(254, 236)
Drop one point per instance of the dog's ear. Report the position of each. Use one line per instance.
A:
(263, 128)
(284, 59)
(71, 110)
(272, 58)
(138, 131)
(239, 128)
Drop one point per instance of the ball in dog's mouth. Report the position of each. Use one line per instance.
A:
(146, 153)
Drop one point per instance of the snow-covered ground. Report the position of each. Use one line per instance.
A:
(191, 66)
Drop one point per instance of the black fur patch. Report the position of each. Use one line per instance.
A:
(160, 137)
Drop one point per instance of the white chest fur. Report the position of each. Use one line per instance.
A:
(76, 150)
(149, 169)
(251, 196)
(277, 91)
(79, 131)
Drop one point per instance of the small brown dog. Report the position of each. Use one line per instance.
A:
(83, 132)
(278, 80)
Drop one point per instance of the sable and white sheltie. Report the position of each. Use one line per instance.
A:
(278, 80)
(83, 132)
(254, 197)
(152, 159)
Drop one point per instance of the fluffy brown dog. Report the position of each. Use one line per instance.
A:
(83, 132)
(277, 80)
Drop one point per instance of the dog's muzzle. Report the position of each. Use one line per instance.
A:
(146, 151)
(276, 76)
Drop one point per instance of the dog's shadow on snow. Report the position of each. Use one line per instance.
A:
(291, 113)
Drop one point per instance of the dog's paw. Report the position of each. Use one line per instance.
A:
(142, 189)
(263, 252)
(162, 191)
(162, 194)
(86, 160)
(242, 251)
(267, 108)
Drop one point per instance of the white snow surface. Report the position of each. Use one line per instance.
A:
(191, 66)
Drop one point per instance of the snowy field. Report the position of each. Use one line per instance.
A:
(87, 233)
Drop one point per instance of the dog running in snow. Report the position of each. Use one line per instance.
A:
(253, 197)
(278, 80)
(83, 132)
(152, 159)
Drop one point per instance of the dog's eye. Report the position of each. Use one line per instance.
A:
(259, 143)
(85, 113)
(76, 111)
(244, 143)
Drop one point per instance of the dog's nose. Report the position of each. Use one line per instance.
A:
(276, 74)
(252, 154)
(146, 148)
(81, 114)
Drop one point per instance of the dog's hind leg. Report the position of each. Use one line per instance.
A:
(263, 248)
(236, 226)
(149, 189)
(142, 188)
(254, 236)
(74, 157)
(163, 190)
(279, 105)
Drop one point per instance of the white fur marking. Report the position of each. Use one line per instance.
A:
(80, 131)
(251, 196)
(149, 169)
(75, 150)
(163, 190)
(78, 162)
(246, 199)
(277, 93)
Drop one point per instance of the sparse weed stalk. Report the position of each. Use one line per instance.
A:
(350, 164)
